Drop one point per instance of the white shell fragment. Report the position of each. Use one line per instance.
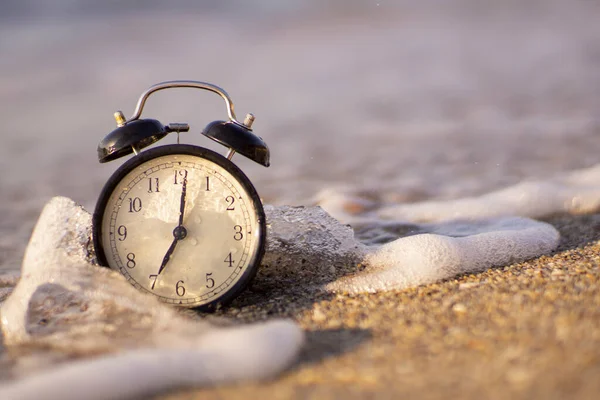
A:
(68, 306)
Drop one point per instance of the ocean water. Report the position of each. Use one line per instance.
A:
(366, 104)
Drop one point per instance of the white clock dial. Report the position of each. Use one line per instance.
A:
(191, 258)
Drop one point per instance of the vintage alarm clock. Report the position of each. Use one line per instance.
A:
(181, 222)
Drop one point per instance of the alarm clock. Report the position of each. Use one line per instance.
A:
(179, 221)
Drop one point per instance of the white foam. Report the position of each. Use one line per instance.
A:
(251, 352)
(577, 192)
(168, 351)
(70, 306)
(427, 258)
(307, 243)
(489, 236)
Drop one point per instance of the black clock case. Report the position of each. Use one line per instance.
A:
(245, 280)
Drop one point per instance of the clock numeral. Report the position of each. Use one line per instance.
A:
(230, 200)
(179, 289)
(135, 204)
(210, 282)
(122, 231)
(155, 277)
(238, 233)
(130, 260)
(229, 260)
(153, 187)
(180, 176)
(207, 184)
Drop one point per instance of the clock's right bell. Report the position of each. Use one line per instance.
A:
(240, 139)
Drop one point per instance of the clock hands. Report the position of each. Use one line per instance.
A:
(179, 233)
(182, 203)
(167, 256)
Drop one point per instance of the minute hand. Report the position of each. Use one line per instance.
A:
(182, 201)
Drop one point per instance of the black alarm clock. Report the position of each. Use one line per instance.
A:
(179, 221)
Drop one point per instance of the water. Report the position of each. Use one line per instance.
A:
(390, 102)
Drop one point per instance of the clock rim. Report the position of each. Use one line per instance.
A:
(186, 149)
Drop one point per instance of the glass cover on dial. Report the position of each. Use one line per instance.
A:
(188, 261)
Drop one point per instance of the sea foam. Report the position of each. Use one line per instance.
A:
(69, 305)
(250, 352)
(427, 258)
(72, 308)
(452, 237)
(308, 244)
(576, 192)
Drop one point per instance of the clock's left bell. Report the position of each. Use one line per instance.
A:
(129, 137)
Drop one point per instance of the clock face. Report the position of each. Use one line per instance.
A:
(182, 223)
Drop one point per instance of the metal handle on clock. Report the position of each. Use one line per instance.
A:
(185, 84)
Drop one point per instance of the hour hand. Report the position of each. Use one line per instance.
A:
(167, 256)
(179, 233)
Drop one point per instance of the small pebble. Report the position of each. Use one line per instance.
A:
(468, 285)
(459, 308)
(318, 315)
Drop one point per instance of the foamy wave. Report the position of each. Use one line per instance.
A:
(428, 258)
(577, 192)
(310, 245)
(249, 352)
(66, 304)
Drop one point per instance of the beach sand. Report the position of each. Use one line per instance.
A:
(529, 330)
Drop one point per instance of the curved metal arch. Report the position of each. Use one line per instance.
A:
(184, 84)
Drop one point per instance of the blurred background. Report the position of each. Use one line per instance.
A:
(395, 100)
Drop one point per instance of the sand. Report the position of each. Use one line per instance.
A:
(530, 330)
